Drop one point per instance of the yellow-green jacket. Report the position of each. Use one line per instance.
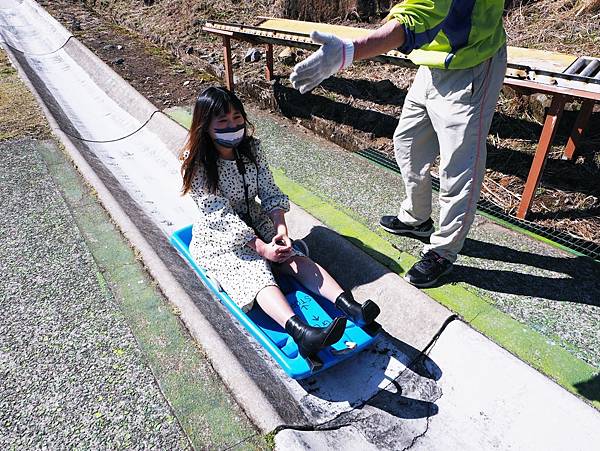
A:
(450, 34)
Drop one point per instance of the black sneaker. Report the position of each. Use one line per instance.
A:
(393, 225)
(426, 272)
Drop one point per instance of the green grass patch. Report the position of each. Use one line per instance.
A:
(180, 115)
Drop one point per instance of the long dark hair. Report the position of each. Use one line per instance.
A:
(199, 152)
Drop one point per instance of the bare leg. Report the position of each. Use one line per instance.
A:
(274, 304)
(312, 276)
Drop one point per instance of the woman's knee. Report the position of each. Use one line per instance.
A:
(268, 292)
(292, 265)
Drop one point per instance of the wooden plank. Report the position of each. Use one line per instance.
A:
(228, 65)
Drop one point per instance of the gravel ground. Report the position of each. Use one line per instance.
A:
(71, 373)
(556, 293)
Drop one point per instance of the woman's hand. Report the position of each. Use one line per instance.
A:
(284, 245)
(272, 251)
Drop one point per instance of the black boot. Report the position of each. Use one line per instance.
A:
(361, 314)
(311, 340)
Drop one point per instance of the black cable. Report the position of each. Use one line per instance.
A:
(37, 54)
(112, 140)
(324, 425)
(79, 138)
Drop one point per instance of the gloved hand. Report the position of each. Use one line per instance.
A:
(334, 55)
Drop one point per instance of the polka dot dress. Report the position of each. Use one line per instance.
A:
(220, 235)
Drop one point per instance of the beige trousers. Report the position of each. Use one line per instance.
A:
(447, 112)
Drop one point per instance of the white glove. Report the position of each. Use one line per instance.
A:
(334, 55)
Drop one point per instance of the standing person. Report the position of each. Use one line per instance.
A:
(237, 239)
(460, 46)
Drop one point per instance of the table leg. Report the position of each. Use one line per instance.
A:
(269, 70)
(228, 64)
(541, 153)
(580, 123)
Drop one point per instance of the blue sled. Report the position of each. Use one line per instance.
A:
(272, 337)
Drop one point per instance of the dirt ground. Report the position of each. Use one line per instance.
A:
(161, 50)
(19, 115)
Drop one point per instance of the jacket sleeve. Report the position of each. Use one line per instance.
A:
(221, 222)
(271, 197)
(421, 20)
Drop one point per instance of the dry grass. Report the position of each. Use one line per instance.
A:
(19, 113)
(568, 26)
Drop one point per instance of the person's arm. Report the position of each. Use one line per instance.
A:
(412, 23)
(385, 38)
(336, 54)
(278, 218)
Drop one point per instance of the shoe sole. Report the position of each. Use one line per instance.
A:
(416, 233)
(370, 311)
(335, 334)
(433, 282)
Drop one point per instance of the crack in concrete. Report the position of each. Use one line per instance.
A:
(428, 422)
(416, 438)
(330, 425)
(428, 419)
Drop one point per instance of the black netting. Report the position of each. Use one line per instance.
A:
(575, 245)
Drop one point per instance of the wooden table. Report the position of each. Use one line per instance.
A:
(295, 34)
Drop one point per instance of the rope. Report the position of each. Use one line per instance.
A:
(37, 54)
(110, 140)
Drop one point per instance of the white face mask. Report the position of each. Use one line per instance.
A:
(231, 136)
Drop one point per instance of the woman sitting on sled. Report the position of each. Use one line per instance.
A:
(239, 240)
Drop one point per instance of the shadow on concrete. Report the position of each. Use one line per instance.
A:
(403, 406)
(589, 389)
(329, 251)
(579, 281)
(391, 376)
(562, 174)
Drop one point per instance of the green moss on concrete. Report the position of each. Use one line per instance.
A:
(180, 115)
